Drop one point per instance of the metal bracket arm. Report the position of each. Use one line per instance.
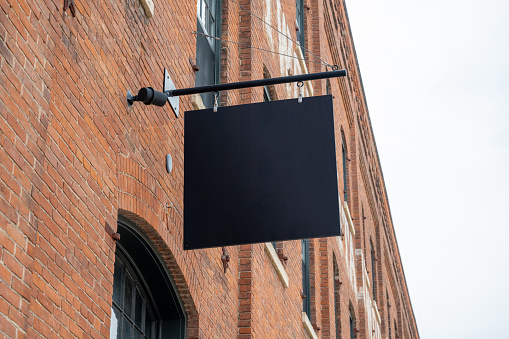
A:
(151, 97)
(257, 83)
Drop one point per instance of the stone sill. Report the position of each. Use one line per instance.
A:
(148, 6)
(348, 218)
(280, 270)
(197, 102)
(377, 314)
(307, 325)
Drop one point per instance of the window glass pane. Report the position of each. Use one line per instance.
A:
(116, 323)
(352, 334)
(133, 313)
(117, 281)
(128, 299)
(345, 173)
(306, 301)
(212, 8)
(138, 309)
(128, 329)
(149, 322)
(266, 95)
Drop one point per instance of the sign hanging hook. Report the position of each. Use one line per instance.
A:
(216, 94)
(300, 84)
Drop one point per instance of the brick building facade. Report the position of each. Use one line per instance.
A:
(77, 165)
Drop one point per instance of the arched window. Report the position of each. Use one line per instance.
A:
(145, 301)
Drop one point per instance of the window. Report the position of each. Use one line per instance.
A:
(266, 94)
(373, 268)
(345, 166)
(300, 23)
(389, 315)
(269, 91)
(207, 49)
(145, 302)
(306, 289)
(337, 300)
(133, 313)
(352, 324)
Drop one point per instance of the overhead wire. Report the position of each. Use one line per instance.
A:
(261, 49)
(286, 36)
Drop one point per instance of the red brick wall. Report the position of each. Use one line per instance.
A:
(73, 157)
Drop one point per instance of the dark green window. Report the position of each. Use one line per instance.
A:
(266, 94)
(300, 23)
(373, 268)
(345, 170)
(352, 326)
(208, 49)
(389, 315)
(337, 299)
(306, 288)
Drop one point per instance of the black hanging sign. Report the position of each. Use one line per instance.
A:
(260, 172)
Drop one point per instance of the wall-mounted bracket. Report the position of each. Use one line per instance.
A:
(149, 96)
(169, 86)
(130, 98)
(225, 258)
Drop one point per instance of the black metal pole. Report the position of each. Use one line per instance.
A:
(256, 83)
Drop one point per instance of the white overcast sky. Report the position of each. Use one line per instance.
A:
(436, 78)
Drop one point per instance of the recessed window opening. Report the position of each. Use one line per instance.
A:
(133, 309)
(373, 269)
(344, 153)
(208, 49)
(337, 298)
(352, 323)
(266, 94)
(306, 288)
(299, 5)
(146, 303)
(389, 315)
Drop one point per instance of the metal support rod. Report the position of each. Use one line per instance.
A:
(257, 83)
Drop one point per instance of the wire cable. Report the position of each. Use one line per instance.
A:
(262, 49)
(286, 36)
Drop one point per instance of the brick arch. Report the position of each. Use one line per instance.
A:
(174, 268)
(142, 200)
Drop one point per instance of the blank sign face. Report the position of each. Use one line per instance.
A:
(260, 172)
